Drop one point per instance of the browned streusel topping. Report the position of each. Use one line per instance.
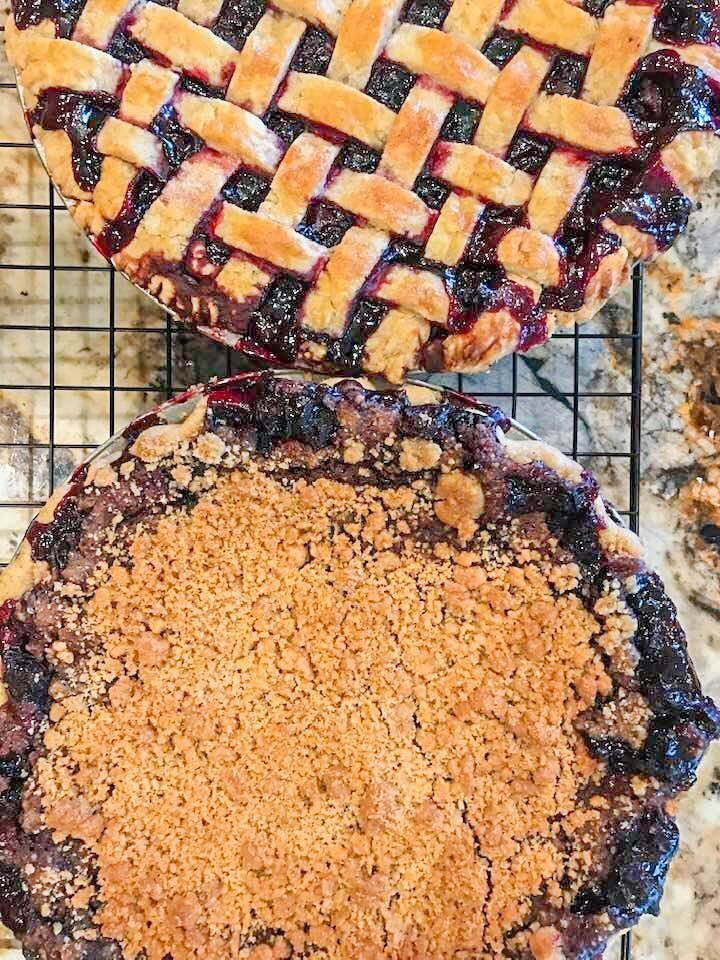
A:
(299, 718)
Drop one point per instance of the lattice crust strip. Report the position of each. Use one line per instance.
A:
(377, 184)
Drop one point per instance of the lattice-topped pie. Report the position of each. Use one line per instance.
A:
(301, 669)
(374, 184)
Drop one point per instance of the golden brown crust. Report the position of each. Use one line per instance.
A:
(268, 240)
(581, 124)
(349, 265)
(447, 59)
(338, 106)
(384, 204)
(484, 175)
(394, 348)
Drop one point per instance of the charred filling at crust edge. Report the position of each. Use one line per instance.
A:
(304, 421)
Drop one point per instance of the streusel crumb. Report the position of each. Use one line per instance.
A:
(329, 734)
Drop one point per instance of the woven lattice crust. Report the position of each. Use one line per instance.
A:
(370, 184)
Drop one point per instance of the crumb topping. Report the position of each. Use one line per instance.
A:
(331, 734)
(460, 501)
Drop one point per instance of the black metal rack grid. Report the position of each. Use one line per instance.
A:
(510, 390)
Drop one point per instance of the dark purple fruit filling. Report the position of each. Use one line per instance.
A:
(533, 330)
(16, 909)
(688, 21)
(473, 291)
(246, 189)
(178, 143)
(206, 255)
(347, 351)
(215, 249)
(566, 75)
(230, 409)
(359, 157)
(301, 416)
(426, 13)
(65, 14)
(283, 125)
(502, 47)
(143, 191)
(635, 882)
(432, 192)
(390, 84)
(494, 223)
(125, 48)
(201, 89)
(586, 248)
(13, 773)
(325, 223)
(655, 206)
(314, 52)
(529, 153)
(406, 252)
(597, 7)
(461, 122)
(55, 542)
(237, 20)
(665, 96)
(27, 678)
(273, 324)
(81, 116)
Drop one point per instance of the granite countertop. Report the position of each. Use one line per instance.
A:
(680, 502)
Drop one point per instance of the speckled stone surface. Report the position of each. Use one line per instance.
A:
(680, 514)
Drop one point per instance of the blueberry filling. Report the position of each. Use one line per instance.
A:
(347, 351)
(246, 189)
(390, 84)
(273, 325)
(178, 143)
(493, 224)
(502, 47)
(472, 291)
(688, 21)
(566, 75)
(125, 48)
(55, 542)
(81, 116)
(143, 191)
(16, 908)
(314, 52)
(65, 13)
(286, 127)
(426, 13)
(432, 192)
(325, 223)
(301, 416)
(200, 88)
(655, 206)
(359, 157)
(665, 96)
(461, 122)
(237, 20)
(529, 153)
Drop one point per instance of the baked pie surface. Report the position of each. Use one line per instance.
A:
(374, 185)
(308, 669)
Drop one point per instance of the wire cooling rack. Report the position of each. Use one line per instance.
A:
(47, 455)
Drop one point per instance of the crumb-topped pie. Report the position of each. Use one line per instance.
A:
(374, 185)
(301, 669)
